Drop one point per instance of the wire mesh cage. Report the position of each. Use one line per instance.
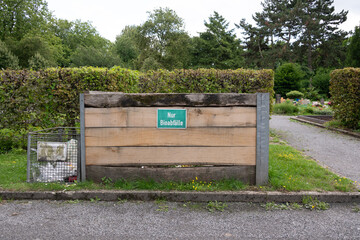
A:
(53, 155)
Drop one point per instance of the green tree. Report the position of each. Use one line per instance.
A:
(353, 50)
(302, 31)
(287, 78)
(91, 56)
(37, 62)
(318, 24)
(321, 81)
(217, 47)
(7, 58)
(126, 46)
(163, 38)
(19, 17)
(76, 36)
(28, 46)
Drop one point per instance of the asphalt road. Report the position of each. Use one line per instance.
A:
(339, 152)
(165, 220)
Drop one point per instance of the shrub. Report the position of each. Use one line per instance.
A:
(321, 81)
(50, 97)
(287, 78)
(345, 92)
(312, 94)
(7, 59)
(285, 108)
(11, 139)
(37, 62)
(294, 94)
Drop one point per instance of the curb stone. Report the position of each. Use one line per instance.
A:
(174, 196)
(297, 118)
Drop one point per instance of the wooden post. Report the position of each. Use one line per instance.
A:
(262, 139)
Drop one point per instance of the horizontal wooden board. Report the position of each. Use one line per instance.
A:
(146, 117)
(117, 137)
(117, 156)
(114, 99)
(242, 173)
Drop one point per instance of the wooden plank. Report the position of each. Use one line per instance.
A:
(113, 99)
(242, 173)
(117, 137)
(146, 117)
(117, 156)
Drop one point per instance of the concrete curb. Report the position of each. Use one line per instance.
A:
(357, 135)
(173, 196)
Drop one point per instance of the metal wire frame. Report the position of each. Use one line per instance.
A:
(53, 155)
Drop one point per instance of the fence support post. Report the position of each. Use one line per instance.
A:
(262, 138)
(82, 139)
(28, 158)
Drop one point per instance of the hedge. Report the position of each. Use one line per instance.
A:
(345, 96)
(48, 98)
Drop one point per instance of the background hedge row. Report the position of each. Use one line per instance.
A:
(42, 99)
(345, 92)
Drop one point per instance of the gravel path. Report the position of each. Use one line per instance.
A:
(339, 152)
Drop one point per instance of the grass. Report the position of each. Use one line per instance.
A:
(289, 170)
(307, 203)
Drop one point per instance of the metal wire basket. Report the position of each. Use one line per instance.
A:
(53, 155)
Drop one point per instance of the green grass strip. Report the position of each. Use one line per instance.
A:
(289, 170)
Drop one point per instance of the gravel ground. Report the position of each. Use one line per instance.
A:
(339, 152)
(151, 220)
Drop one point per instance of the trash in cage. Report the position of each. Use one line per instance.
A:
(53, 172)
(53, 155)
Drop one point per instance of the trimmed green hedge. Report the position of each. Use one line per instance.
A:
(48, 98)
(345, 96)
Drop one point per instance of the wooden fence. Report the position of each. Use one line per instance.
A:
(221, 136)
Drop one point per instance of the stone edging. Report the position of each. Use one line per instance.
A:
(357, 135)
(174, 196)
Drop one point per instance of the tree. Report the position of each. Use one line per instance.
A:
(126, 47)
(76, 36)
(321, 81)
(318, 24)
(19, 17)
(91, 56)
(287, 78)
(29, 46)
(37, 62)
(162, 38)
(301, 31)
(353, 50)
(7, 58)
(217, 47)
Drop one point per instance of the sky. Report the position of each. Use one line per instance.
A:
(109, 17)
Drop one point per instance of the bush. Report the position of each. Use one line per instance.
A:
(312, 94)
(7, 59)
(50, 97)
(321, 81)
(285, 108)
(287, 78)
(345, 92)
(11, 139)
(294, 94)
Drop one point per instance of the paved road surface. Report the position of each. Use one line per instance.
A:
(341, 153)
(151, 220)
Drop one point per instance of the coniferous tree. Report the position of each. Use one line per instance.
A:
(217, 47)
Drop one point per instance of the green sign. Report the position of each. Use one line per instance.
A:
(171, 118)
